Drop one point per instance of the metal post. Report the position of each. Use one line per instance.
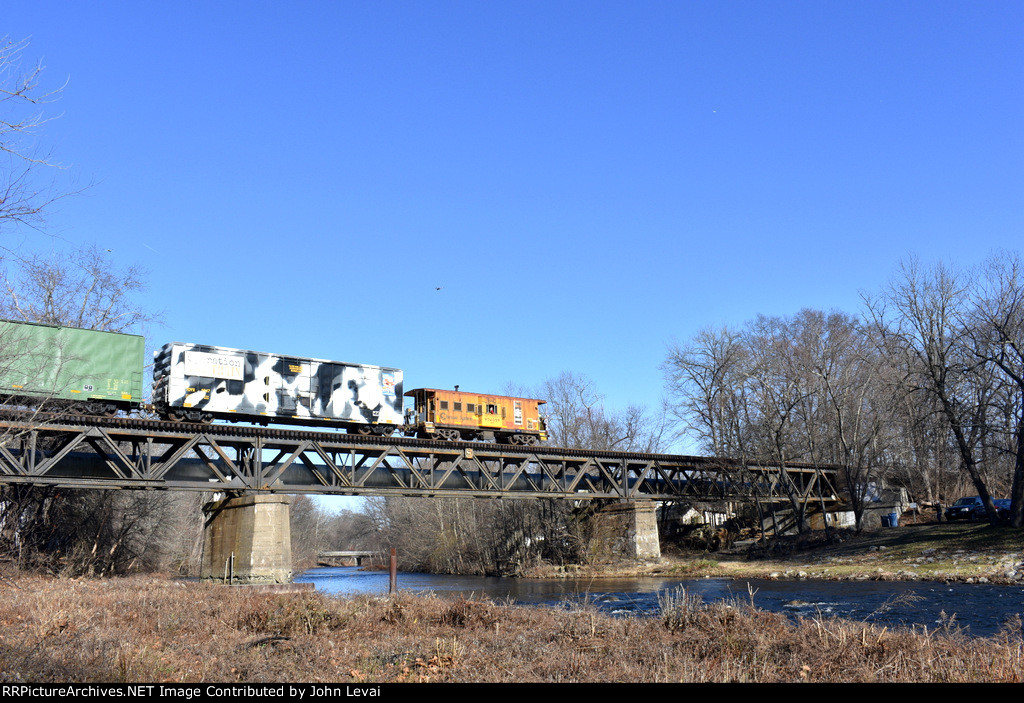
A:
(393, 573)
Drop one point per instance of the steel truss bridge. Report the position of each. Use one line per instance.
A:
(131, 453)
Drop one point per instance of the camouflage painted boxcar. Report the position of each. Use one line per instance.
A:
(200, 383)
(452, 415)
(100, 371)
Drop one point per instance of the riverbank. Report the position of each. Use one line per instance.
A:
(947, 552)
(148, 629)
(153, 629)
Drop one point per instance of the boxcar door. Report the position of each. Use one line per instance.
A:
(293, 389)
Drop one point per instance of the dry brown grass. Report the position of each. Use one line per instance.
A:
(145, 629)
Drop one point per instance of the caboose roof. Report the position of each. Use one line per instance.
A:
(450, 392)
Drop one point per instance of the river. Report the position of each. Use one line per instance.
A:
(980, 608)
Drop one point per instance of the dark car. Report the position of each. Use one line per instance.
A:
(966, 509)
(973, 509)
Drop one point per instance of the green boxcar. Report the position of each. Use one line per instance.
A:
(48, 362)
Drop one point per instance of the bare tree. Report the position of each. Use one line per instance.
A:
(782, 404)
(577, 419)
(923, 456)
(82, 289)
(22, 199)
(466, 535)
(87, 531)
(705, 381)
(998, 340)
(98, 532)
(856, 402)
(922, 318)
(90, 531)
(934, 374)
(805, 388)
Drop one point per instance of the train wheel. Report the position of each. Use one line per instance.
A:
(364, 429)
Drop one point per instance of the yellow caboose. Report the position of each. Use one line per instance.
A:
(454, 415)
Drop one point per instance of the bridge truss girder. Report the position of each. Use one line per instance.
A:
(153, 455)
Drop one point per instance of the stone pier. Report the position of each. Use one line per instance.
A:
(247, 539)
(629, 530)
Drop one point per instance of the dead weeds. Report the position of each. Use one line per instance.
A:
(150, 629)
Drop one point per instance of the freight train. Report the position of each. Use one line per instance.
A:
(100, 373)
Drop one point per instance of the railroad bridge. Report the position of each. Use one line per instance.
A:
(257, 467)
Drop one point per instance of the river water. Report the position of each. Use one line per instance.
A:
(980, 608)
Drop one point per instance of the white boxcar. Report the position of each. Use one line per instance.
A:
(198, 383)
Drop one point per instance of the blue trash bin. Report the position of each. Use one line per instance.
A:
(894, 519)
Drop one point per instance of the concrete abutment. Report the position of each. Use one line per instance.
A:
(247, 539)
(628, 530)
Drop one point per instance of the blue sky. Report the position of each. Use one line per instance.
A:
(585, 181)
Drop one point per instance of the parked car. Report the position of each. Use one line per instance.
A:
(966, 509)
(973, 509)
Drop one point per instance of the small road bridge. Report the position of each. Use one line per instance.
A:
(343, 557)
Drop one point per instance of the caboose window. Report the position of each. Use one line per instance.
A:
(492, 409)
(458, 407)
(444, 404)
(470, 408)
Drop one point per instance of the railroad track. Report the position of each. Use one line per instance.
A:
(58, 421)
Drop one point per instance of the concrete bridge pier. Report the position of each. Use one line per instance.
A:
(247, 539)
(628, 530)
